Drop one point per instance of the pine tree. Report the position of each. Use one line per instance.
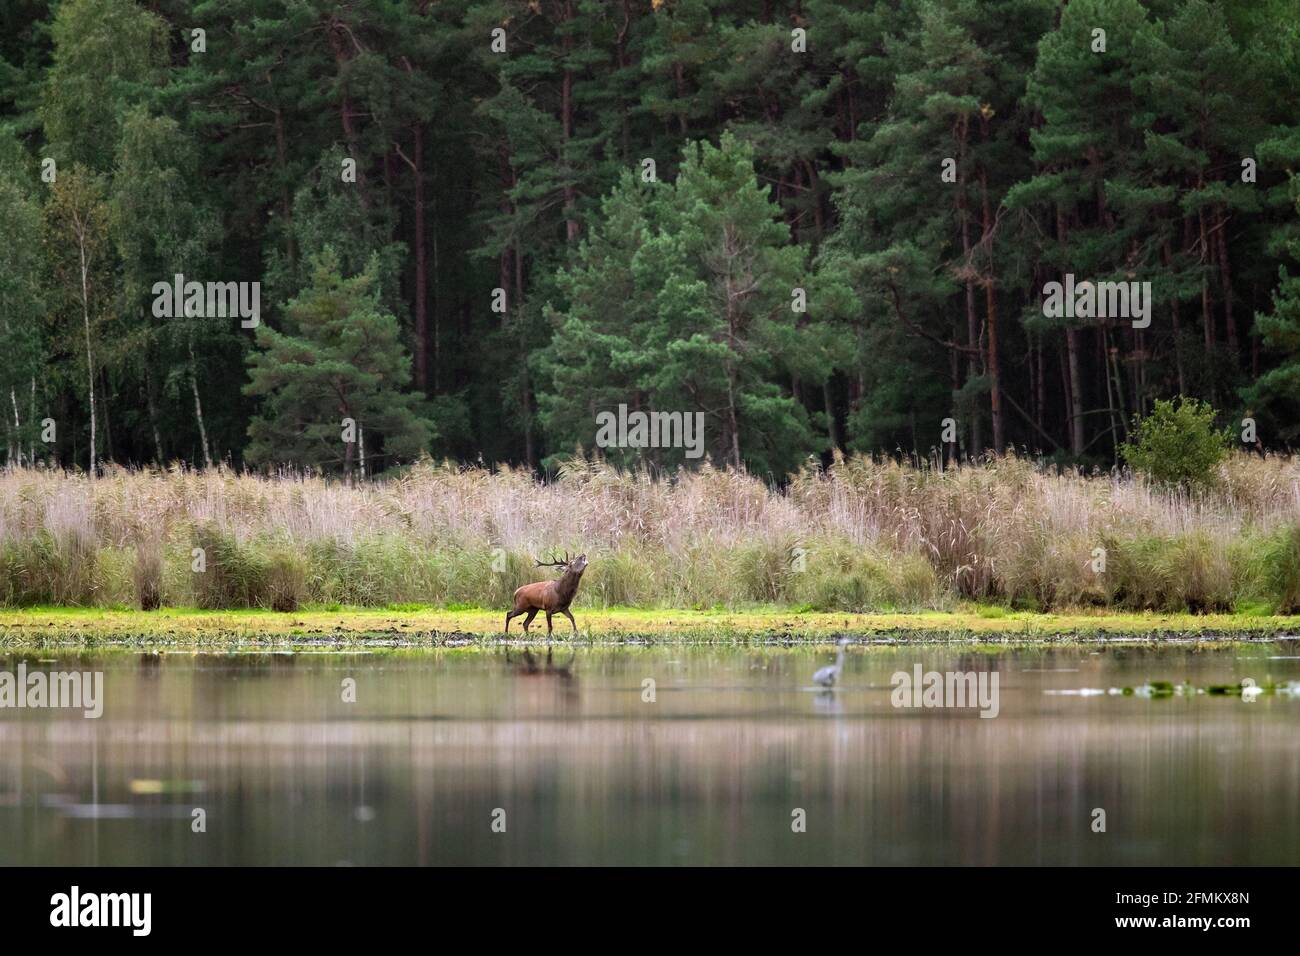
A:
(333, 380)
(918, 213)
(1277, 391)
(1088, 150)
(705, 275)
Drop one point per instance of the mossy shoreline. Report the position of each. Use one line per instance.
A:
(441, 627)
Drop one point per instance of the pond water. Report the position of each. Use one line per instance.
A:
(442, 749)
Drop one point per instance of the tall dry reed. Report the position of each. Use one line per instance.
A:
(864, 533)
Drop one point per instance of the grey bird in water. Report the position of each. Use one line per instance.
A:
(829, 674)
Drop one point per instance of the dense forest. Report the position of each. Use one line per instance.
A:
(476, 224)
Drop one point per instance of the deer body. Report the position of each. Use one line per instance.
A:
(553, 597)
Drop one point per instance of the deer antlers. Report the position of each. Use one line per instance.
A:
(554, 564)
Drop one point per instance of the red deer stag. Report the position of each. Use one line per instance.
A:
(553, 597)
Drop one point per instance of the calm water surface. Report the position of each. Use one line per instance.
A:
(437, 742)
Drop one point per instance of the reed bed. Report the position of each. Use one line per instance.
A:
(864, 534)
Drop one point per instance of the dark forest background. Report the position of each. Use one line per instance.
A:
(656, 186)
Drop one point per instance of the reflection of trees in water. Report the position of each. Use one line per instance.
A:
(591, 773)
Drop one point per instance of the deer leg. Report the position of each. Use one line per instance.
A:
(509, 615)
(566, 613)
(532, 613)
(548, 623)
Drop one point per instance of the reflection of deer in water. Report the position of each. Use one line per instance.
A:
(543, 686)
(527, 667)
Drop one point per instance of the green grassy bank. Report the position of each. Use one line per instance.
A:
(435, 627)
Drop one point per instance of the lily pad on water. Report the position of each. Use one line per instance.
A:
(1161, 688)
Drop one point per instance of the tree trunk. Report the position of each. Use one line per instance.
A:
(679, 81)
(1178, 328)
(421, 268)
(1207, 309)
(152, 408)
(349, 453)
(973, 369)
(1076, 392)
(733, 423)
(340, 37)
(953, 448)
(198, 407)
(566, 114)
(832, 428)
(18, 432)
(991, 311)
(286, 198)
(814, 194)
(90, 357)
(1042, 386)
(507, 208)
(526, 404)
(1112, 352)
(621, 58)
(995, 381)
(1225, 280)
(1110, 402)
(1072, 351)
(105, 410)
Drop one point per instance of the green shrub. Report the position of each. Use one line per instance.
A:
(234, 575)
(468, 575)
(621, 579)
(286, 580)
(1177, 444)
(762, 571)
(113, 578)
(1281, 570)
(44, 569)
(1188, 572)
(1138, 576)
(149, 576)
(1050, 571)
(844, 577)
(1203, 572)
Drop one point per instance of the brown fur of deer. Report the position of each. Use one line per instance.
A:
(553, 597)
